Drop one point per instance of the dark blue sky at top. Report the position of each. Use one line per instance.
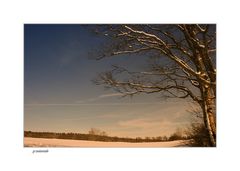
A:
(51, 55)
(56, 58)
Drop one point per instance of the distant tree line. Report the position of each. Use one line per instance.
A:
(98, 135)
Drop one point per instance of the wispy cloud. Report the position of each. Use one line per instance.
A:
(158, 121)
(139, 123)
(110, 95)
(99, 97)
(83, 102)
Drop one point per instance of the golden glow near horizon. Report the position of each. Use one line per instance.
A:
(124, 118)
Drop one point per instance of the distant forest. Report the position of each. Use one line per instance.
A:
(96, 135)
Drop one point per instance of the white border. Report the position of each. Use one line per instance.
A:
(14, 14)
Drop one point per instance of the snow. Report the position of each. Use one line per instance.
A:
(43, 142)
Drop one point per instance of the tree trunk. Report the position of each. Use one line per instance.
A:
(210, 111)
(209, 115)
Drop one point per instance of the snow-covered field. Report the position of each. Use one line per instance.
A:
(43, 142)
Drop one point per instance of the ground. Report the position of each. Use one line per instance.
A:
(43, 142)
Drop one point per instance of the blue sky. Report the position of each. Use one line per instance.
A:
(59, 94)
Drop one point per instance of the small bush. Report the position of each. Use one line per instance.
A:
(198, 134)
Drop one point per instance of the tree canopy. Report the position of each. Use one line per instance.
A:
(182, 63)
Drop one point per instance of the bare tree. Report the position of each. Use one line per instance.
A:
(95, 131)
(182, 63)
